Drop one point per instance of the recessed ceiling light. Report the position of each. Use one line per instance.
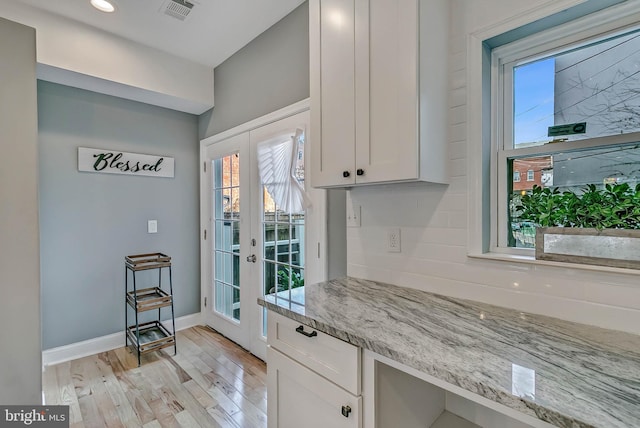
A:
(103, 5)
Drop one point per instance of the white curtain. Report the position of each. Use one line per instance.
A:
(277, 160)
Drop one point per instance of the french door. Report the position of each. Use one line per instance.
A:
(258, 241)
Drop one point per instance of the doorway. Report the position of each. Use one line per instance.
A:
(265, 225)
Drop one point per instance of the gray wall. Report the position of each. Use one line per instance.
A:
(269, 73)
(89, 222)
(20, 359)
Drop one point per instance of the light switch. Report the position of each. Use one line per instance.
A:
(353, 212)
(152, 226)
(353, 215)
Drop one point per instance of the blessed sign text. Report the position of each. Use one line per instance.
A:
(116, 162)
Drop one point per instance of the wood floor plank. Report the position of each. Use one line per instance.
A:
(200, 394)
(129, 388)
(67, 394)
(247, 410)
(178, 371)
(220, 415)
(196, 401)
(90, 413)
(217, 365)
(224, 402)
(228, 364)
(125, 411)
(50, 386)
(196, 375)
(251, 369)
(185, 420)
(163, 414)
(249, 386)
(92, 394)
(241, 356)
(211, 382)
(185, 396)
(218, 405)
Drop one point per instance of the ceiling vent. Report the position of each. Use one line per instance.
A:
(178, 9)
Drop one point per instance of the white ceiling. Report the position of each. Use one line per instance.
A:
(213, 31)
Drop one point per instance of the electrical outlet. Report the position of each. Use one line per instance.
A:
(393, 240)
(152, 226)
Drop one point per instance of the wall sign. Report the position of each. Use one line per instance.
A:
(568, 129)
(116, 162)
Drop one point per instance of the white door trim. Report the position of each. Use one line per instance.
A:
(205, 179)
(268, 118)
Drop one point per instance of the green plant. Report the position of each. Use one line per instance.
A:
(615, 206)
(297, 280)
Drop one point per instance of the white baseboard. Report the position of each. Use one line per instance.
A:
(104, 343)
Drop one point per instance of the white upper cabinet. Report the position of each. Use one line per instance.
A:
(379, 97)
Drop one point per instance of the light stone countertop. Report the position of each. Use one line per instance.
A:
(584, 376)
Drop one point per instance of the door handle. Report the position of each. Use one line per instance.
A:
(251, 258)
(300, 330)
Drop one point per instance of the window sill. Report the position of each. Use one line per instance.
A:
(517, 258)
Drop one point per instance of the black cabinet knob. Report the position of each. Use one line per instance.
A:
(346, 410)
(346, 174)
(360, 171)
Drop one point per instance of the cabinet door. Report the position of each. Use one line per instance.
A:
(387, 146)
(298, 397)
(332, 87)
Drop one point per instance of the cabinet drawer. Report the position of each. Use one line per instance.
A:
(332, 358)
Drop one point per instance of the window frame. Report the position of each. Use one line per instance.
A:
(531, 176)
(582, 31)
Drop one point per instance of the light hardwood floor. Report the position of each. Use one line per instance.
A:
(211, 382)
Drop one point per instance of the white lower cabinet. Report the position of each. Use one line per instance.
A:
(313, 379)
(299, 397)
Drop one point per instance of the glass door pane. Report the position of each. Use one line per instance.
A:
(283, 240)
(226, 251)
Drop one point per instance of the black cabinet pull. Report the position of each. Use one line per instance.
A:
(346, 410)
(346, 174)
(360, 171)
(300, 330)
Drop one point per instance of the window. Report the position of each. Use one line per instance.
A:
(567, 108)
